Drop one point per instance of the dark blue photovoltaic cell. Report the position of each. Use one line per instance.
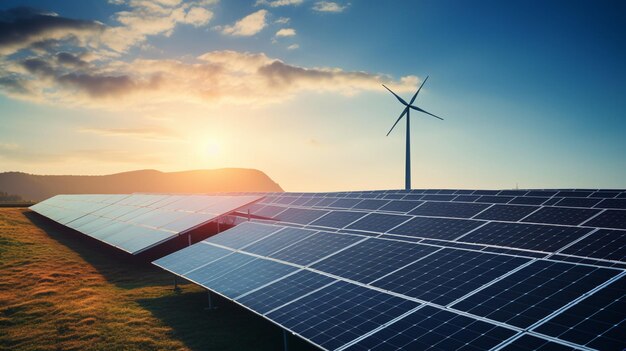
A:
(532, 293)
(449, 209)
(561, 215)
(609, 219)
(605, 244)
(529, 342)
(486, 192)
(371, 259)
(219, 267)
(340, 313)
(436, 228)
(598, 321)
(612, 203)
(448, 274)
(545, 193)
(378, 222)
(430, 328)
(525, 236)
(345, 203)
(605, 194)
(300, 215)
(315, 247)
(401, 206)
(466, 198)
(438, 197)
(248, 277)
(325, 202)
(191, 257)
(269, 211)
(511, 213)
(577, 202)
(512, 192)
(370, 204)
(338, 219)
(573, 193)
(242, 235)
(528, 200)
(551, 201)
(278, 241)
(491, 199)
(284, 291)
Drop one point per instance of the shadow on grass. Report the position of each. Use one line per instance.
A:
(227, 327)
(119, 268)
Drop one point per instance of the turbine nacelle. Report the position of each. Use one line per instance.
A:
(409, 105)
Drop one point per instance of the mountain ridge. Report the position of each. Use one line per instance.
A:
(38, 187)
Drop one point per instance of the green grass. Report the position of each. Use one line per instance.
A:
(59, 291)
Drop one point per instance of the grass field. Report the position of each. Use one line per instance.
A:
(59, 291)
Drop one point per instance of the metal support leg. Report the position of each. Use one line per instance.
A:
(189, 239)
(176, 288)
(210, 300)
(285, 343)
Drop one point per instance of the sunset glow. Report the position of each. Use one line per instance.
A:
(294, 89)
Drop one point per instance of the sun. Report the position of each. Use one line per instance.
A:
(212, 148)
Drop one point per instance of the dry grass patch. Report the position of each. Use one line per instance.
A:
(59, 292)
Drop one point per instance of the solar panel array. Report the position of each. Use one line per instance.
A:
(427, 269)
(135, 223)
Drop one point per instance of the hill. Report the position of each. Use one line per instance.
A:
(40, 187)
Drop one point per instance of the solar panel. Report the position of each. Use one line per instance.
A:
(249, 277)
(577, 202)
(492, 199)
(598, 321)
(191, 257)
(609, 219)
(510, 213)
(338, 219)
(534, 292)
(243, 234)
(300, 215)
(448, 274)
(561, 215)
(401, 206)
(284, 291)
(370, 204)
(372, 259)
(604, 243)
(528, 200)
(278, 241)
(529, 342)
(525, 236)
(430, 328)
(315, 247)
(206, 273)
(340, 313)
(449, 209)
(436, 228)
(612, 203)
(378, 222)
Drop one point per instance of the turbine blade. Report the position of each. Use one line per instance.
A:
(426, 112)
(398, 120)
(397, 97)
(418, 91)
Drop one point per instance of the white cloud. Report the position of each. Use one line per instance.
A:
(329, 6)
(282, 20)
(277, 3)
(286, 32)
(293, 47)
(216, 77)
(249, 25)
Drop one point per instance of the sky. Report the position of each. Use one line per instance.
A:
(532, 93)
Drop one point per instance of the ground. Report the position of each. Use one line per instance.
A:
(59, 291)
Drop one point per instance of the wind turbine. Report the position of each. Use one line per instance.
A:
(406, 111)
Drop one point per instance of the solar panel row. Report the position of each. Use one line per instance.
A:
(134, 223)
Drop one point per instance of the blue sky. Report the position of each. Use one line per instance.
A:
(532, 93)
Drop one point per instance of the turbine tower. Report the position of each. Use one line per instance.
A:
(407, 109)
